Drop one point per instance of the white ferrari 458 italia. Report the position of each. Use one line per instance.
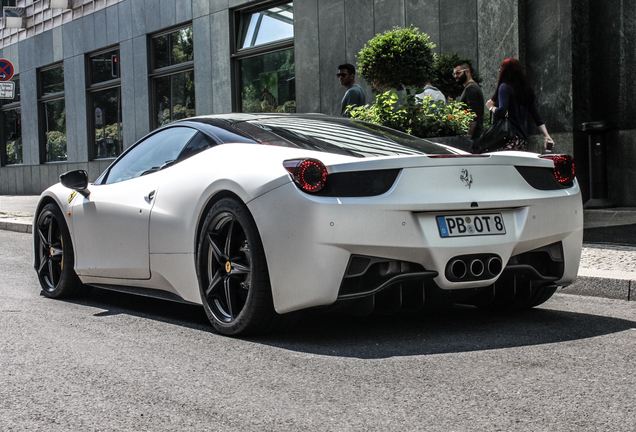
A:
(256, 216)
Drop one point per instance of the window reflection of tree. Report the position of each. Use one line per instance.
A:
(173, 92)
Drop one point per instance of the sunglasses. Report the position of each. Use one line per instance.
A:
(458, 72)
(341, 75)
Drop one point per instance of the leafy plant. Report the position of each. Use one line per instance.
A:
(443, 79)
(397, 59)
(423, 118)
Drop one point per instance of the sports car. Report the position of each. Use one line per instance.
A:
(258, 216)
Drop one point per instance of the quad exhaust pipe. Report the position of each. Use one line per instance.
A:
(473, 267)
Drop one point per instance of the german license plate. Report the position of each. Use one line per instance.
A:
(471, 225)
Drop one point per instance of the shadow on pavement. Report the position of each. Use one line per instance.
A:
(449, 330)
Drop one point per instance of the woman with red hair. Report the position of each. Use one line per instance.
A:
(515, 97)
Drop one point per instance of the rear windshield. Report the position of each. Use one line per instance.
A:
(341, 136)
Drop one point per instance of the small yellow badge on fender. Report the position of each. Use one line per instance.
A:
(71, 196)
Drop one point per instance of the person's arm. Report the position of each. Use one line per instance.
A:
(534, 112)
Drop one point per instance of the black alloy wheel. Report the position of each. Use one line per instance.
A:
(232, 271)
(54, 254)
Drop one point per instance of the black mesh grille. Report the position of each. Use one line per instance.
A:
(359, 183)
(541, 178)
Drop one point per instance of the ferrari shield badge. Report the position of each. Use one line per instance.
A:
(466, 178)
(71, 196)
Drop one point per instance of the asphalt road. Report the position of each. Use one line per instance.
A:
(113, 362)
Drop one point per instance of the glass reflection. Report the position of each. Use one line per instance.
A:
(55, 132)
(12, 125)
(173, 48)
(104, 67)
(271, 25)
(174, 97)
(268, 83)
(52, 81)
(107, 124)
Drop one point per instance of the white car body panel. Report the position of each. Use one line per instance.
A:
(309, 239)
(403, 228)
(114, 218)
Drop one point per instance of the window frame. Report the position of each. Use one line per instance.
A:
(43, 99)
(154, 73)
(4, 107)
(239, 54)
(91, 89)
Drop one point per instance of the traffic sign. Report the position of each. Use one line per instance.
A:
(6, 70)
(7, 90)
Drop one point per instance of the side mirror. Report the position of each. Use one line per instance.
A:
(76, 180)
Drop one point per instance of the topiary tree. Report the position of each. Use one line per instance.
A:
(442, 78)
(399, 59)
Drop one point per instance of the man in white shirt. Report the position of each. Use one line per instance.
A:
(433, 92)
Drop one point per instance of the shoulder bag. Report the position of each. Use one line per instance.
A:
(497, 136)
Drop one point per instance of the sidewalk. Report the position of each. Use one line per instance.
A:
(608, 261)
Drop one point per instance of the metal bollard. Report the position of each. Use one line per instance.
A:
(596, 131)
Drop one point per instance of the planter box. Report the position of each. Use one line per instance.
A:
(460, 142)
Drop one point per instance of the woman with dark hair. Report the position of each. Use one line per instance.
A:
(515, 97)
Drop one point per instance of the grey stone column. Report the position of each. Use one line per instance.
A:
(29, 116)
(307, 56)
(221, 62)
(499, 38)
(141, 92)
(202, 65)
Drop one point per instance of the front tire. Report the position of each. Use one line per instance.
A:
(55, 259)
(232, 271)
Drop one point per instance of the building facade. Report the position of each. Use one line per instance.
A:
(94, 76)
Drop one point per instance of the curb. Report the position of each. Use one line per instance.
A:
(590, 282)
(602, 283)
(21, 227)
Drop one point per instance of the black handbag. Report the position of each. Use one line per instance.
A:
(499, 135)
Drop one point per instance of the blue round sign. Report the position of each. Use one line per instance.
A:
(6, 70)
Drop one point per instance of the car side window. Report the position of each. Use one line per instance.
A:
(196, 145)
(152, 154)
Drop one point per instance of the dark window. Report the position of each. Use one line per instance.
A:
(157, 151)
(264, 59)
(11, 128)
(172, 76)
(196, 145)
(104, 66)
(52, 114)
(104, 103)
(52, 81)
(173, 48)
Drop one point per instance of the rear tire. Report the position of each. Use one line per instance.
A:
(55, 260)
(232, 272)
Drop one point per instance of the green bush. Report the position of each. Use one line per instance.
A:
(443, 79)
(397, 59)
(423, 118)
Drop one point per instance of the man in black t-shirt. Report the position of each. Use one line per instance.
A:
(354, 94)
(471, 96)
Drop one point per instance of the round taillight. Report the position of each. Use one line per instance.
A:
(564, 168)
(309, 174)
